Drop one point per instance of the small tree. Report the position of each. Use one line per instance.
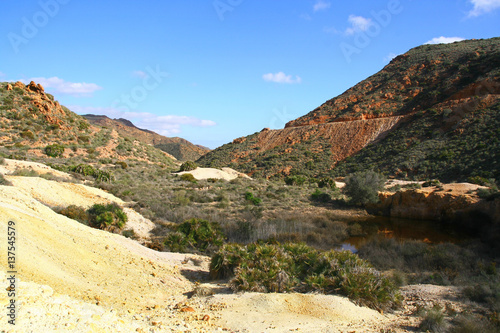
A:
(107, 216)
(362, 187)
(188, 166)
(54, 150)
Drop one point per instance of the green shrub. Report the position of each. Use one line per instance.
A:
(84, 169)
(433, 320)
(27, 134)
(107, 216)
(195, 234)
(362, 187)
(480, 180)
(83, 125)
(89, 170)
(176, 242)
(129, 233)
(122, 164)
(188, 178)
(102, 176)
(54, 150)
(295, 180)
(84, 138)
(431, 183)
(188, 166)
(487, 193)
(300, 268)
(320, 196)
(327, 182)
(76, 213)
(255, 201)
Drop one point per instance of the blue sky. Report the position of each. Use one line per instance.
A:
(214, 70)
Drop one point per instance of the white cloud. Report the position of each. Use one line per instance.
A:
(281, 78)
(164, 125)
(389, 57)
(483, 7)
(57, 85)
(140, 74)
(358, 24)
(444, 40)
(321, 5)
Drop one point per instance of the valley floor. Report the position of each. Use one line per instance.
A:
(72, 278)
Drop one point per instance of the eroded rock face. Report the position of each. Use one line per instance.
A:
(447, 204)
(423, 204)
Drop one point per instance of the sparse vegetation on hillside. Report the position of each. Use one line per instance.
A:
(449, 95)
(34, 125)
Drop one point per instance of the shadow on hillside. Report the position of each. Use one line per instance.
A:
(195, 275)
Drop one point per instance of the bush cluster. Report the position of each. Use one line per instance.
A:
(188, 166)
(320, 196)
(254, 200)
(300, 268)
(76, 213)
(187, 177)
(89, 170)
(362, 187)
(195, 234)
(54, 150)
(295, 180)
(107, 217)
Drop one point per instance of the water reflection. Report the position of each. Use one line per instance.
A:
(378, 227)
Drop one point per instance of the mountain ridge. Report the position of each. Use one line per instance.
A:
(446, 96)
(180, 148)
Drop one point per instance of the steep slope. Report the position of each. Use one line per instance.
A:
(31, 120)
(181, 149)
(432, 112)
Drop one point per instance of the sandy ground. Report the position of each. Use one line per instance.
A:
(72, 278)
(206, 173)
(9, 166)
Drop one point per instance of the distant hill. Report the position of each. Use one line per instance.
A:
(181, 149)
(433, 112)
(31, 120)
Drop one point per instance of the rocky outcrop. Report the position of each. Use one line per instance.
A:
(38, 88)
(448, 204)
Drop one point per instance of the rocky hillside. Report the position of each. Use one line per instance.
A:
(181, 149)
(431, 112)
(35, 126)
